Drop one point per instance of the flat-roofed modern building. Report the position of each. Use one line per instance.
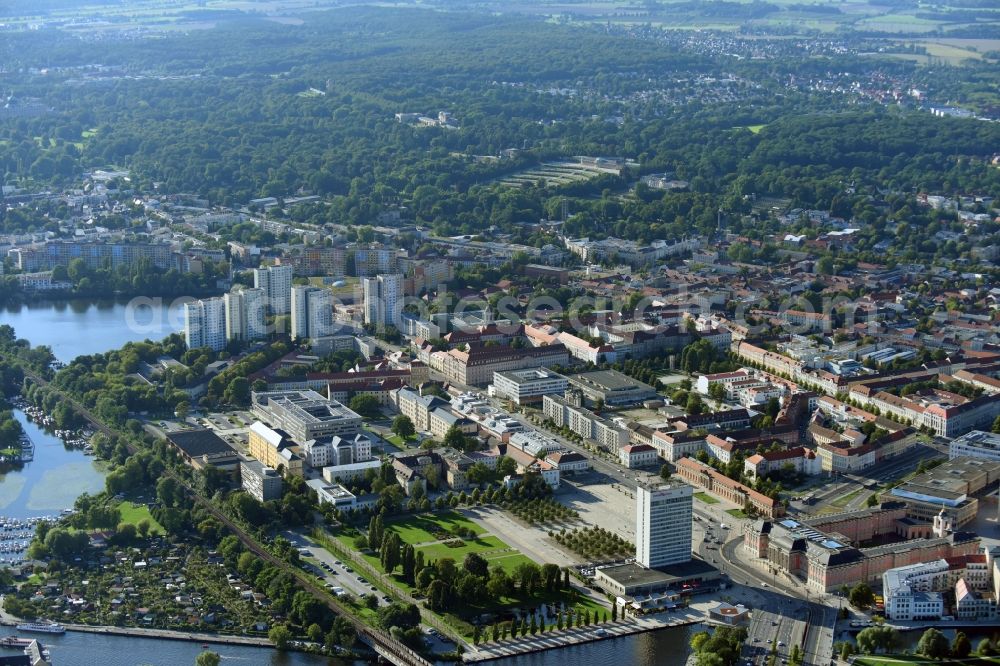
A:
(203, 448)
(351, 471)
(663, 524)
(950, 487)
(636, 581)
(305, 415)
(339, 496)
(976, 444)
(611, 388)
(261, 482)
(528, 385)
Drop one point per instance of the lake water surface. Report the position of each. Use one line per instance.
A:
(73, 327)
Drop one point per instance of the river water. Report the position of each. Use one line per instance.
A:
(79, 326)
(666, 647)
(53, 480)
(84, 649)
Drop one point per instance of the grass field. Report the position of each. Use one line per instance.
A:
(754, 129)
(911, 660)
(423, 528)
(133, 514)
(706, 498)
(422, 532)
(401, 443)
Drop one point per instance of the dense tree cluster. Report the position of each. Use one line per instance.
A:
(721, 647)
(815, 150)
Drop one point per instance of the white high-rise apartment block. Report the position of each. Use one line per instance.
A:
(320, 313)
(255, 306)
(245, 314)
(205, 324)
(663, 524)
(312, 312)
(383, 299)
(276, 281)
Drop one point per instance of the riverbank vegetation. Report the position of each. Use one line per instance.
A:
(110, 384)
(720, 647)
(10, 432)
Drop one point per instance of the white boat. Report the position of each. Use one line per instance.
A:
(42, 627)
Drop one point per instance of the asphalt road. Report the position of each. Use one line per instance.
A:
(886, 471)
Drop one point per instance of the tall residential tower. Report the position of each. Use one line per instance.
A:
(276, 281)
(205, 324)
(312, 312)
(383, 299)
(245, 314)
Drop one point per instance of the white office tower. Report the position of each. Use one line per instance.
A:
(383, 299)
(276, 281)
(663, 524)
(205, 324)
(245, 314)
(312, 312)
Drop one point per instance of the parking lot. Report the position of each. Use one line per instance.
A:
(338, 577)
(341, 579)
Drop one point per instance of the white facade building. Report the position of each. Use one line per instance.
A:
(976, 444)
(533, 442)
(637, 455)
(528, 385)
(913, 592)
(205, 324)
(245, 314)
(276, 281)
(383, 299)
(317, 453)
(663, 524)
(312, 312)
